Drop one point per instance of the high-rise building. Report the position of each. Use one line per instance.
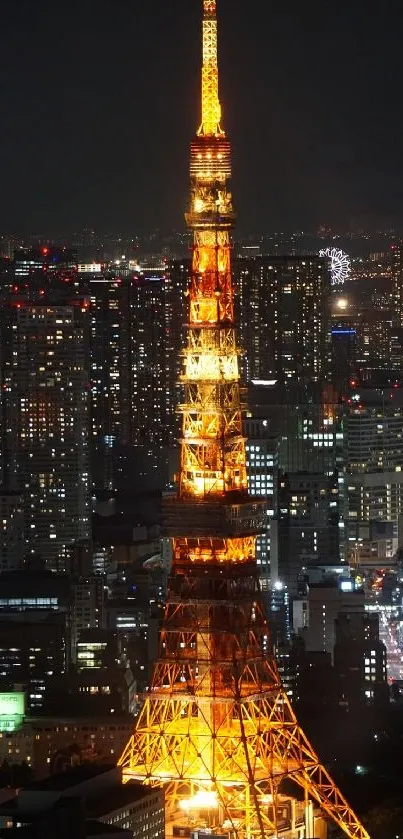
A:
(262, 469)
(326, 602)
(366, 336)
(308, 524)
(148, 360)
(33, 653)
(344, 354)
(217, 728)
(12, 546)
(284, 317)
(308, 423)
(45, 409)
(397, 276)
(34, 632)
(360, 659)
(278, 602)
(371, 343)
(156, 339)
(110, 347)
(373, 435)
(88, 604)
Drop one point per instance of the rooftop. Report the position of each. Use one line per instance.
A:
(95, 828)
(72, 777)
(116, 797)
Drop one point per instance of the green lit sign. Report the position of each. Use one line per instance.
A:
(12, 710)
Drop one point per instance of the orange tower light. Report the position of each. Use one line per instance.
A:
(216, 728)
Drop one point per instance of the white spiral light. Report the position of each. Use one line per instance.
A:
(340, 265)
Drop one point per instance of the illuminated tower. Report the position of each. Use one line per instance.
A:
(216, 727)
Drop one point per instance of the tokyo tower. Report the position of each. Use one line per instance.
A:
(216, 728)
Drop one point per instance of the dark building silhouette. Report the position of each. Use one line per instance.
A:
(360, 660)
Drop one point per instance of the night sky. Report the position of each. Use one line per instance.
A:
(99, 100)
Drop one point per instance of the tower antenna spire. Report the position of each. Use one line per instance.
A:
(211, 108)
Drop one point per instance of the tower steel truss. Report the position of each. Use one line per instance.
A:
(216, 727)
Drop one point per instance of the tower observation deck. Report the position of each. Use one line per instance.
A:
(216, 728)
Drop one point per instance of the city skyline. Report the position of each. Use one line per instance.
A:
(96, 134)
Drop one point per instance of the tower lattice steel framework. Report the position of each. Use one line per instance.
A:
(216, 727)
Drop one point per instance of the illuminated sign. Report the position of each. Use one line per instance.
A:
(12, 710)
(89, 268)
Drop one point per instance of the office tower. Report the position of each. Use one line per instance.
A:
(278, 601)
(360, 659)
(397, 277)
(307, 421)
(157, 346)
(110, 336)
(110, 357)
(373, 433)
(156, 336)
(34, 632)
(33, 653)
(88, 605)
(344, 355)
(45, 407)
(308, 424)
(11, 530)
(262, 469)
(307, 524)
(96, 649)
(326, 601)
(284, 317)
(131, 621)
(102, 681)
(216, 726)
(378, 343)
(366, 337)
(148, 361)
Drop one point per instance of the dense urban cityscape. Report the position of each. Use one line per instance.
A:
(201, 540)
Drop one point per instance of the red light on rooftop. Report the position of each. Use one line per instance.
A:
(45, 251)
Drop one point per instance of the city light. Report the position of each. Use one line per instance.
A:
(202, 800)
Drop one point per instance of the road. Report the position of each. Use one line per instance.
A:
(387, 634)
